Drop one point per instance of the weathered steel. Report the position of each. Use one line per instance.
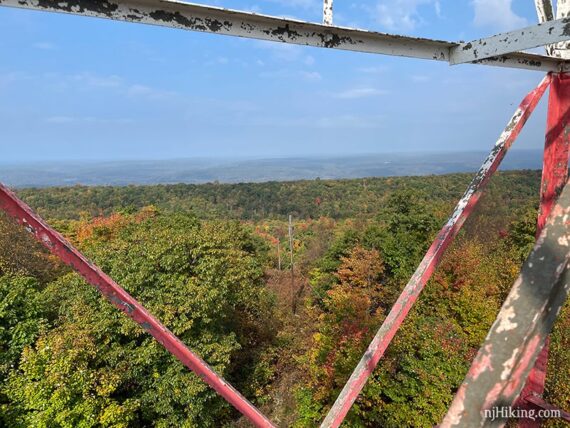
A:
(244, 24)
(327, 12)
(505, 359)
(541, 34)
(554, 177)
(430, 261)
(561, 50)
(10, 204)
(545, 12)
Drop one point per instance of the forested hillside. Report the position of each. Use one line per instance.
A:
(213, 263)
(256, 201)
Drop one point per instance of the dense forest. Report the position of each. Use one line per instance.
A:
(286, 324)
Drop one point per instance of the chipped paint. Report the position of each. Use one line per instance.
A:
(544, 10)
(501, 367)
(527, 38)
(430, 261)
(505, 323)
(327, 12)
(554, 176)
(216, 20)
(561, 49)
(14, 207)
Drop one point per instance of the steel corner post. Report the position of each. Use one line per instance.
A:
(510, 350)
(554, 177)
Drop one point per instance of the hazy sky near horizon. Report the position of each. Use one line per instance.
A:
(83, 88)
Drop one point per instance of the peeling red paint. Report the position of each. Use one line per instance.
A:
(14, 207)
(503, 363)
(554, 176)
(430, 261)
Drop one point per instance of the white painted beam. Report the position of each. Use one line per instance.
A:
(544, 10)
(187, 16)
(327, 12)
(545, 13)
(513, 41)
(562, 49)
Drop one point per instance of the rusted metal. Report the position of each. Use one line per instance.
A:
(554, 177)
(542, 34)
(327, 12)
(10, 204)
(430, 261)
(513, 344)
(215, 20)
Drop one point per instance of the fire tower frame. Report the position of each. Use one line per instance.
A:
(510, 367)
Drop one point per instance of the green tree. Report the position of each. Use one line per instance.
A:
(98, 368)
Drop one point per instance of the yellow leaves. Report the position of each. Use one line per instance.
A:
(102, 227)
(107, 382)
(362, 268)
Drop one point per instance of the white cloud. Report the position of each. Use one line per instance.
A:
(403, 15)
(356, 93)
(497, 14)
(11, 77)
(311, 76)
(97, 81)
(285, 52)
(253, 9)
(373, 70)
(47, 46)
(437, 6)
(309, 60)
(341, 121)
(64, 120)
(221, 60)
(350, 121)
(137, 90)
(420, 78)
(300, 4)
(60, 119)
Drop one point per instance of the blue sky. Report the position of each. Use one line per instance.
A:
(83, 88)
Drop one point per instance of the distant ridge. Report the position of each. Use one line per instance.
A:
(196, 171)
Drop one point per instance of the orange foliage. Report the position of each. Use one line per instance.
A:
(108, 227)
(362, 268)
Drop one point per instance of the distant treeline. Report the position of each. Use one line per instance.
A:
(338, 199)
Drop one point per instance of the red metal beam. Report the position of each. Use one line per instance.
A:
(113, 292)
(430, 261)
(504, 361)
(541, 404)
(555, 167)
(554, 177)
